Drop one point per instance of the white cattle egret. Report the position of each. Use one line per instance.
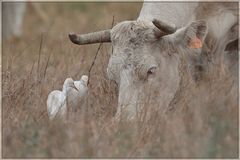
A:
(75, 96)
(56, 102)
(82, 84)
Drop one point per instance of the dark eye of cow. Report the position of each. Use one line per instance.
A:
(152, 71)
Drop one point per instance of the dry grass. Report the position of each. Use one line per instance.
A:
(43, 57)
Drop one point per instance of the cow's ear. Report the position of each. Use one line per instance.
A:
(191, 36)
(195, 34)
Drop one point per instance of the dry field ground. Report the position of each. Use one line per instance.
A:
(40, 61)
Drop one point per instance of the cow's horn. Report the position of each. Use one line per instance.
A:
(164, 27)
(95, 37)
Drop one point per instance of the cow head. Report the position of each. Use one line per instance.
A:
(146, 60)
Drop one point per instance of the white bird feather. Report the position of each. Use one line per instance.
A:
(56, 102)
(75, 96)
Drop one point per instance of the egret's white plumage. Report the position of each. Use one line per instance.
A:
(75, 96)
(82, 84)
(56, 102)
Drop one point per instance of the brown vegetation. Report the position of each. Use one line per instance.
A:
(43, 58)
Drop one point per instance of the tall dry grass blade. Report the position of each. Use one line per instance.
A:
(112, 22)
(30, 73)
(99, 47)
(95, 57)
(39, 54)
(45, 69)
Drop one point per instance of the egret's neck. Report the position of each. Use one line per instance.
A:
(64, 90)
(83, 82)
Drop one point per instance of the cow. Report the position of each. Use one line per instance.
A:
(172, 53)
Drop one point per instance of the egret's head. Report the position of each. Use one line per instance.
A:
(84, 78)
(69, 83)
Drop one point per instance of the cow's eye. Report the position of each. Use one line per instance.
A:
(151, 71)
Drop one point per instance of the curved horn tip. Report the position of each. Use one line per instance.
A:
(73, 37)
(168, 28)
(154, 20)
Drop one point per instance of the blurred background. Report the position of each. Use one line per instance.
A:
(37, 57)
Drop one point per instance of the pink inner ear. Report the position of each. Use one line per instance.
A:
(195, 43)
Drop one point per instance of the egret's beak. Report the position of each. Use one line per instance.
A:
(74, 87)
